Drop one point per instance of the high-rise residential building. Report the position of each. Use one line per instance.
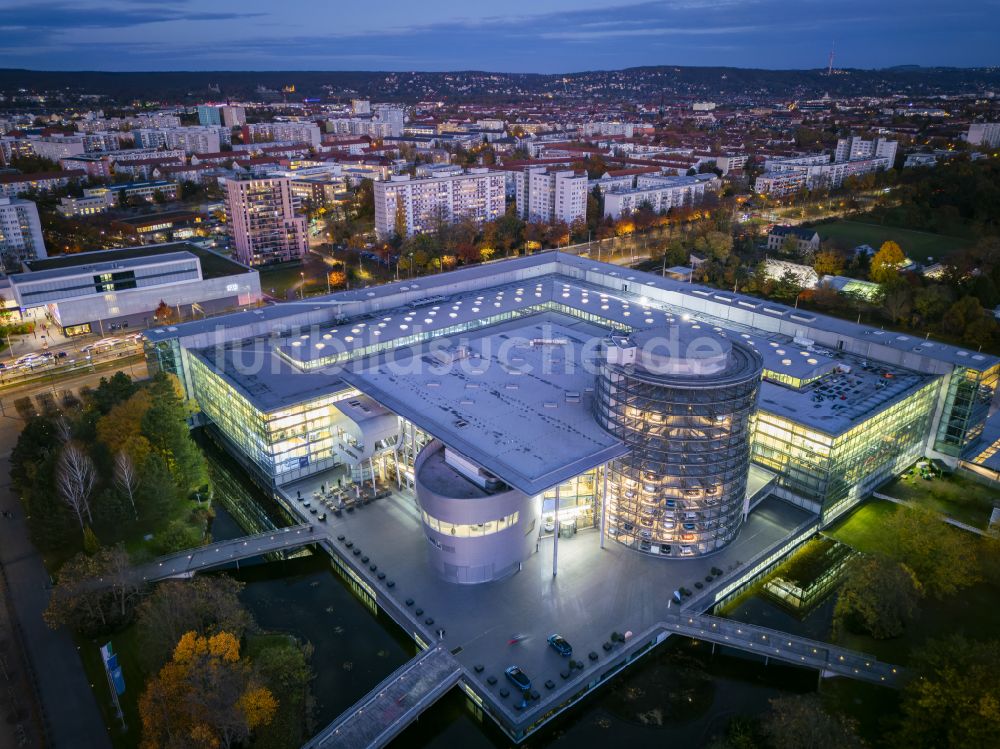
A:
(263, 223)
(476, 194)
(20, 233)
(394, 116)
(984, 134)
(852, 149)
(551, 196)
(233, 115)
(209, 115)
(361, 106)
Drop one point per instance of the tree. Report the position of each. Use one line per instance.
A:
(205, 696)
(94, 594)
(164, 313)
(165, 426)
(75, 478)
(110, 392)
(879, 596)
(887, 262)
(940, 556)
(828, 263)
(715, 244)
(203, 605)
(120, 429)
(126, 478)
(897, 301)
(954, 703)
(800, 722)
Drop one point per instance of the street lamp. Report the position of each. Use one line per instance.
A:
(302, 285)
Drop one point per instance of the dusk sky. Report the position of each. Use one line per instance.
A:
(514, 35)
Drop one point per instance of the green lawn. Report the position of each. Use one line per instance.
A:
(956, 496)
(971, 611)
(862, 529)
(917, 245)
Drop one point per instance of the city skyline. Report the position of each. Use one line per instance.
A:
(561, 36)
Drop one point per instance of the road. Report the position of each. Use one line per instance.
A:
(69, 707)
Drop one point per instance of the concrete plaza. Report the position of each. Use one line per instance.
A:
(596, 591)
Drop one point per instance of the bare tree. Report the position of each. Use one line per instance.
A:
(75, 478)
(126, 478)
(63, 428)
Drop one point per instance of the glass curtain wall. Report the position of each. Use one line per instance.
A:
(837, 471)
(966, 407)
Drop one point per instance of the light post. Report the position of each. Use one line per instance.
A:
(302, 285)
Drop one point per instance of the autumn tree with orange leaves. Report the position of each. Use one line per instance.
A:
(205, 697)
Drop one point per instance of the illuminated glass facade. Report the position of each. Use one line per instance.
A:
(837, 471)
(967, 404)
(285, 443)
(577, 502)
(681, 489)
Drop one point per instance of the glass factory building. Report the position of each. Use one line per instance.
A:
(554, 394)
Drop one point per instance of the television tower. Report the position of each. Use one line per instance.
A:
(829, 64)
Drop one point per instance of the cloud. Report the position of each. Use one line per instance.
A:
(301, 34)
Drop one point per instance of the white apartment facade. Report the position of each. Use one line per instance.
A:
(55, 147)
(263, 223)
(286, 132)
(854, 148)
(550, 196)
(476, 194)
(984, 134)
(662, 193)
(20, 233)
(194, 139)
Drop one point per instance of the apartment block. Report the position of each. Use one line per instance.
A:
(476, 194)
(263, 223)
(984, 134)
(662, 193)
(550, 196)
(286, 132)
(20, 233)
(197, 139)
(852, 149)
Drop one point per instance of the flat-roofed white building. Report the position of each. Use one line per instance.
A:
(476, 194)
(91, 291)
(662, 193)
(290, 132)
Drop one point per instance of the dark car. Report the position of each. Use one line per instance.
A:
(518, 678)
(559, 644)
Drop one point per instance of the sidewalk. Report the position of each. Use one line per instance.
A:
(70, 711)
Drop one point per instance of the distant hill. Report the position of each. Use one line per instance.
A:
(643, 84)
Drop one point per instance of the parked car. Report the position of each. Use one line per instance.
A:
(518, 678)
(322, 517)
(559, 644)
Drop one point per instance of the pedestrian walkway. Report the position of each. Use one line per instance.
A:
(190, 561)
(71, 717)
(782, 646)
(391, 706)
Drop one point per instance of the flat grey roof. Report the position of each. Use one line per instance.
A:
(499, 410)
(572, 269)
(839, 401)
(265, 379)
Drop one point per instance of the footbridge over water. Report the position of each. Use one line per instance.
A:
(394, 704)
(770, 643)
(191, 561)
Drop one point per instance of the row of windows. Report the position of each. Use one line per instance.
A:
(473, 530)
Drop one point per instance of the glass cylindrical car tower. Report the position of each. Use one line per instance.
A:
(681, 398)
